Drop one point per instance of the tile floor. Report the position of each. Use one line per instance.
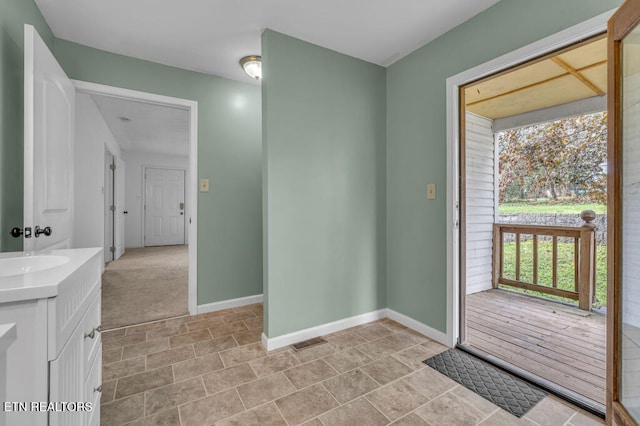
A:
(211, 369)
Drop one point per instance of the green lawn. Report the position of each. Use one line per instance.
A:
(565, 268)
(547, 206)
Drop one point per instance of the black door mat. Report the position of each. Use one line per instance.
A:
(504, 390)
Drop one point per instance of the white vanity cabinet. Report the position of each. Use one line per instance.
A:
(56, 358)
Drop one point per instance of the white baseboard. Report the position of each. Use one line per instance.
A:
(231, 303)
(421, 328)
(320, 330)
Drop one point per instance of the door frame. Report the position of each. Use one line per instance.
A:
(565, 38)
(192, 107)
(143, 200)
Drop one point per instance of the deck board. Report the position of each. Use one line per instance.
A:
(557, 342)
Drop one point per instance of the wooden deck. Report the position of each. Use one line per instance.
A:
(557, 342)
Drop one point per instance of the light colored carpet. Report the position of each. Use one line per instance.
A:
(145, 284)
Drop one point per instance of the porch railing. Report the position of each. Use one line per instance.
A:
(584, 258)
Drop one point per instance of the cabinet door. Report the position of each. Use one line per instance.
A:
(66, 381)
(93, 391)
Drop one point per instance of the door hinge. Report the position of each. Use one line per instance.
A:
(112, 208)
(112, 166)
(112, 249)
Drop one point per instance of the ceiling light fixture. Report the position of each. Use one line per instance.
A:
(252, 65)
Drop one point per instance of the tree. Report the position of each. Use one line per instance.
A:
(559, 158)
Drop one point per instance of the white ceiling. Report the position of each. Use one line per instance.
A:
(211, 36)
(149, 128)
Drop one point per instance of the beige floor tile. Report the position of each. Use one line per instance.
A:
(209, 410)
(448, 409)
(141, 382)
(239, 316)
(414, 356)
(434, 347)
(310, 373)
(228, 328)
(246, 337)
(228, 378)
(242, 354)
(386, 370)
(430, 383)
(411, 420)
(265, 389)
(186, 338)
(197, 366)
(166, 418)
(160, 399)
(306, 404)
(122, 368)
(112, 355)
(122, 411)
(550, 412)
(274, 363)
(145, 327)
(108, 391)
(378, 348)
(405, 339)
(254, 323)
(170, 356)
(112, 334)
(120, 341)
(314, 422)
(145, 348)
(167, 331)
(348, 359)
(205, 323)
(314, 352)
(503, 418)
(581, 419)
(265, 415)
(345, 340)
(351, 385)
(358, 412)
(479, 403)
(216, 345)
(373, 332)
(392, 325)
(396, 399)
(221, 313)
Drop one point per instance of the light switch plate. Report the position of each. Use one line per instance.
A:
(431, 191)
(204, 185)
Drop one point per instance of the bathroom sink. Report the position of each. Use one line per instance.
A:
(26, 264)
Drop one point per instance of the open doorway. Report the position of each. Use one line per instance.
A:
(528, 240)
(149, 197)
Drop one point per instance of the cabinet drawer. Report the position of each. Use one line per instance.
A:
(92, 390)
(92, 337)
(74, 297)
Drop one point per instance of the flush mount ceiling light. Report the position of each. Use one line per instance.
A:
(252, 65)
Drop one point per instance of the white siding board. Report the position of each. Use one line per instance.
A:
(479, 202)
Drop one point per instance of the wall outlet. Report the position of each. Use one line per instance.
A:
(204, 185)
(431, 191)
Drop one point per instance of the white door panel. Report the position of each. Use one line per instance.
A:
(164, 207)
(49, 111)
(119, 188)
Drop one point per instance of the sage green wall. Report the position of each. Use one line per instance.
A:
(13, 15)
(324, 130)
(416, 140)
(229, 155)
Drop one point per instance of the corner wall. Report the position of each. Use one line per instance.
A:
(324, 128)
(416, 140)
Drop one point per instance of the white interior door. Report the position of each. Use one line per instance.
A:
(164, 207)
(118, 211)
(108, 202)
(49, 111)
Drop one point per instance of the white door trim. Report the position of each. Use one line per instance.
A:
(143, 200)
(192, 107)
(589, 28)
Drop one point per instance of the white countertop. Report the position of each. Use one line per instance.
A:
(44, 283)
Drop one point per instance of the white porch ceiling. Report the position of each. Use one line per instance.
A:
(211, 36)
